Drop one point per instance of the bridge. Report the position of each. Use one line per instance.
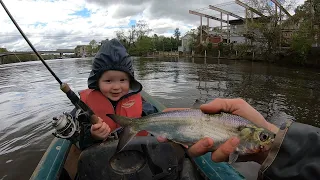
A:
(60, 51)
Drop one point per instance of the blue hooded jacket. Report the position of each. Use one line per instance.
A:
(112, 56)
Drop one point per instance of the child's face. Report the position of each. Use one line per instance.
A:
(114, 84)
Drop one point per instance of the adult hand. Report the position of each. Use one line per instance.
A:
(233, 106)
(237, 107)
(100, 130)
(241, 108)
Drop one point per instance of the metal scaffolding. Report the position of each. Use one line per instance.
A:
(248, 13)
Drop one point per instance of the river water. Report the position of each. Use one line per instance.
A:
(30, 96)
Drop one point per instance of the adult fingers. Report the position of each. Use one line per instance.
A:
(223, 152)
(218, 105)
(162, 139)
(238, 107)
(201, 147)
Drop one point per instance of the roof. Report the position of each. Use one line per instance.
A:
(240, 21)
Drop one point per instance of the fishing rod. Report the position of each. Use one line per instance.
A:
(76, 101)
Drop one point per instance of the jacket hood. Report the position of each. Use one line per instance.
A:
(112, 56)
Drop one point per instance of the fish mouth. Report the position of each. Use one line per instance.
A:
(254, 148)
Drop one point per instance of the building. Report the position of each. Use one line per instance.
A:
(185, 43)
(82, 50)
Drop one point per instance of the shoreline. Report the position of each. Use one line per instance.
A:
(285, 61)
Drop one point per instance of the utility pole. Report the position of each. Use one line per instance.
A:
(200, 29)
(280, 14)
(312, 13)
(208, 29)
(246, 11)
(314, 27)
(221, 22)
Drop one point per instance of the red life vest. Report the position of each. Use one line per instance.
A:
(130, 107)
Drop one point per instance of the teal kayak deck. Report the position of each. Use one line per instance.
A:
(52, 161)
(216, 170)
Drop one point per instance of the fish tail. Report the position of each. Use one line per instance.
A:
(128, 132)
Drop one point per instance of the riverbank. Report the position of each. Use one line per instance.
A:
(28, 57)
(284, 58)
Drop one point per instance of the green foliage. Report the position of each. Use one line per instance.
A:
(242, 50)
(25, 57)
(93, 48)
(142, 46)
(139, 43)
(301, 46)
(3, 50)
(302, 40)
(177, 34)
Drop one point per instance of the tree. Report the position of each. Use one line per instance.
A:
(94, 46)
(192, 41)
(155, 40)
(122, 38)
(305, 18)
(120, 35)
(177, 34)
(132, 35)
(142, 29)
(267, 30)
(3, 50)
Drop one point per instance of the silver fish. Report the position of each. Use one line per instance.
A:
(189, 126)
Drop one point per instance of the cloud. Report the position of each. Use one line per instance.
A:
(55, 24)
(124, 11)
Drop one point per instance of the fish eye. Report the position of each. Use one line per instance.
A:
(263, 136)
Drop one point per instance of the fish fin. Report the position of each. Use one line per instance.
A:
(125, 136)
(128, 132)
(122, 120)
(197, 104)
(185, 144)
(233, 157)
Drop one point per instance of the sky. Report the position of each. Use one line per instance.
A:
(64, 24)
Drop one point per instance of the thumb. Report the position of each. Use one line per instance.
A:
(215, 106)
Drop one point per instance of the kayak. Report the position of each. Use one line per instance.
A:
(144, 158)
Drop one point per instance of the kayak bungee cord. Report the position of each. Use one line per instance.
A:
(64, 122)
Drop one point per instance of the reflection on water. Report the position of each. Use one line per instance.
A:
(30, 96)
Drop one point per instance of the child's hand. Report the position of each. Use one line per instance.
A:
(100, 131)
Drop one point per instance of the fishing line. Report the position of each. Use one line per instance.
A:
(63, 86)
(25, 37)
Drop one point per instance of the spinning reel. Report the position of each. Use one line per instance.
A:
(66, 126)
